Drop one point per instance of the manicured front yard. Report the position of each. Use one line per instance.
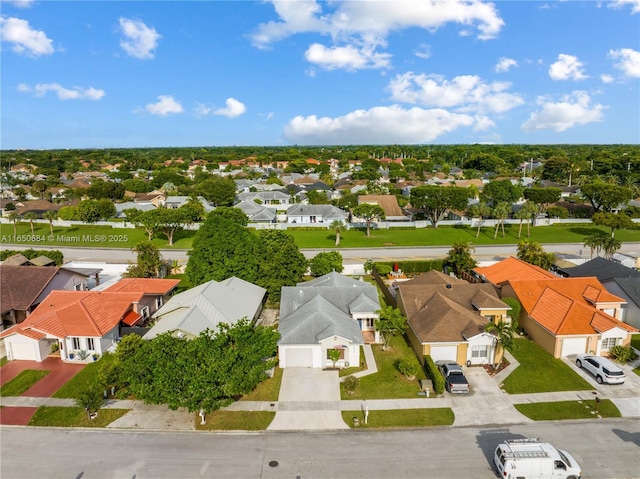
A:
(88, 376)
(553, 411)
(388, 383)
(235, 421)
(73, 417)
(401, 418)
(22, 382)
(267, 390)
(540, 372)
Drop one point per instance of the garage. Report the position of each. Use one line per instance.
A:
(24, 351)
(298, 357)
(449, 353)
(573, 346)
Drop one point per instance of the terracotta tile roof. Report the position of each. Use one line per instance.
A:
(20, 286)
(77, 313)
(144, 285)
(131, 318)
(510, 269)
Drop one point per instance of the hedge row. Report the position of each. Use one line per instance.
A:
(433, 373)
(55, 255)
(411, 266)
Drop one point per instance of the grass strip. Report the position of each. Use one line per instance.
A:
(23, 381)
(554, 411)
(267, 390)
(400, 418)
(235, 421)
(48, 416)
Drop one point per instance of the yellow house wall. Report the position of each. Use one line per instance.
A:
(419, 348)
(540, 335)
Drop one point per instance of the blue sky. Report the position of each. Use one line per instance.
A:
(103, 74)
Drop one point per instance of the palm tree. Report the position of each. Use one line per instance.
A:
(14, 218)
(610, 245)
(30, 216)
(50, 215)
(527, 210)
(594, 242)
(501, 212)
(337, 226)
(479, 210)
(502, 337)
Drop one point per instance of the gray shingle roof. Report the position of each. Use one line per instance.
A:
(601, 268)
(631, 286)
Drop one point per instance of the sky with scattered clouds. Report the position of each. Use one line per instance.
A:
(103, 74)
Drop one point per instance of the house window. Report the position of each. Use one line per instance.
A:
(77, 287)
(159, 302)
(75, 343)
(480, 351)
(145, 312)
(90, 344)
(608, 343)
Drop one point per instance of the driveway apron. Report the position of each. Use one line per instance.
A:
(309, 400)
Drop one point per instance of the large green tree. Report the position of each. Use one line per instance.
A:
(149, 261)
(109, 190)
(499, 191)
(459, 257)
(326, 262)
(369, 213)
(391, 322)
(606, 197)
(615, 221)
(543, 197)
(218, 190)
(534, 253)
(234, 214)
(436, 201)
(91, 211)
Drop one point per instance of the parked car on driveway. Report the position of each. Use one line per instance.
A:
(454, 380)
(605, 370)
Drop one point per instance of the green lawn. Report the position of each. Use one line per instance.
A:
(540, 372)
(553, 411)
(635, 341)
(401, 418)
(236, 421)
(4, 360)
(105, 236)
(388, 383)
(267, 390)
(73, 417)
(22, 382)
(88, 376)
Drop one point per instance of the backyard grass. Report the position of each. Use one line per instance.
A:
(553, 411)
(106, 236)
(267, 390)
(388, 383)
(73, 417)
(540, 372)
(88, 376)
(401, 418)
(635, 341)
(22, 382)
(235, 421)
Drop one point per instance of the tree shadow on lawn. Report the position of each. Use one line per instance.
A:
(585, 231)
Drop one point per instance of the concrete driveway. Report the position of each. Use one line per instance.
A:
(309, 399)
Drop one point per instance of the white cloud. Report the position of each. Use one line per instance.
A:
(21, 3)
(423, 51)
(379, 125)
(166, 105)
(574, 109)
(233, 109)
(348, 57)
(629, 61)
(25, 39)
(75, 93)
(139, 40)
(505, 64)
(635, 4)
(606, 78)
(357, 28)
(467, 93)
(567, 67)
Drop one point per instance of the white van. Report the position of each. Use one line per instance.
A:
(534, 459)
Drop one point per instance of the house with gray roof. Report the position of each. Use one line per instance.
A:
(257, 213)
(277, 199)
(189, 313)
(300, 213)
(329, 312)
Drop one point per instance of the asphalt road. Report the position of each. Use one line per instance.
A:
(604, 449)
(349, 255)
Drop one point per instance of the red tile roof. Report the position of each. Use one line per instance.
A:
(511, 269)
(76, 313)
(144, 285)
(131, 318)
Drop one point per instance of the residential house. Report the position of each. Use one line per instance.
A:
(329, 312)
(299, 213)
(155, 293)
(23, 288)
(273, 199)
(174, 202)
(447, 317)
(389, 203)
(257, 213)
(189, 313)
(565, 316)
(36, 206)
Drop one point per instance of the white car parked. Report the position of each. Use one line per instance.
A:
(603, 369)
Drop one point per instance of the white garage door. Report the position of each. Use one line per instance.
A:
(23, 351)
(298, 358)
(449, 353)
(573, 346)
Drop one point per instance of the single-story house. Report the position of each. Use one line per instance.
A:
(189, 313)
(447, 317)
(272, 199)
(257, 213)
(388, 203)
(300, 213)
(328, 313)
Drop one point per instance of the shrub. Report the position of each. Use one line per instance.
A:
(351, 383)
(434, 374)
(54, 255)
(408, 368)
(622, 354)
(383, 269)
